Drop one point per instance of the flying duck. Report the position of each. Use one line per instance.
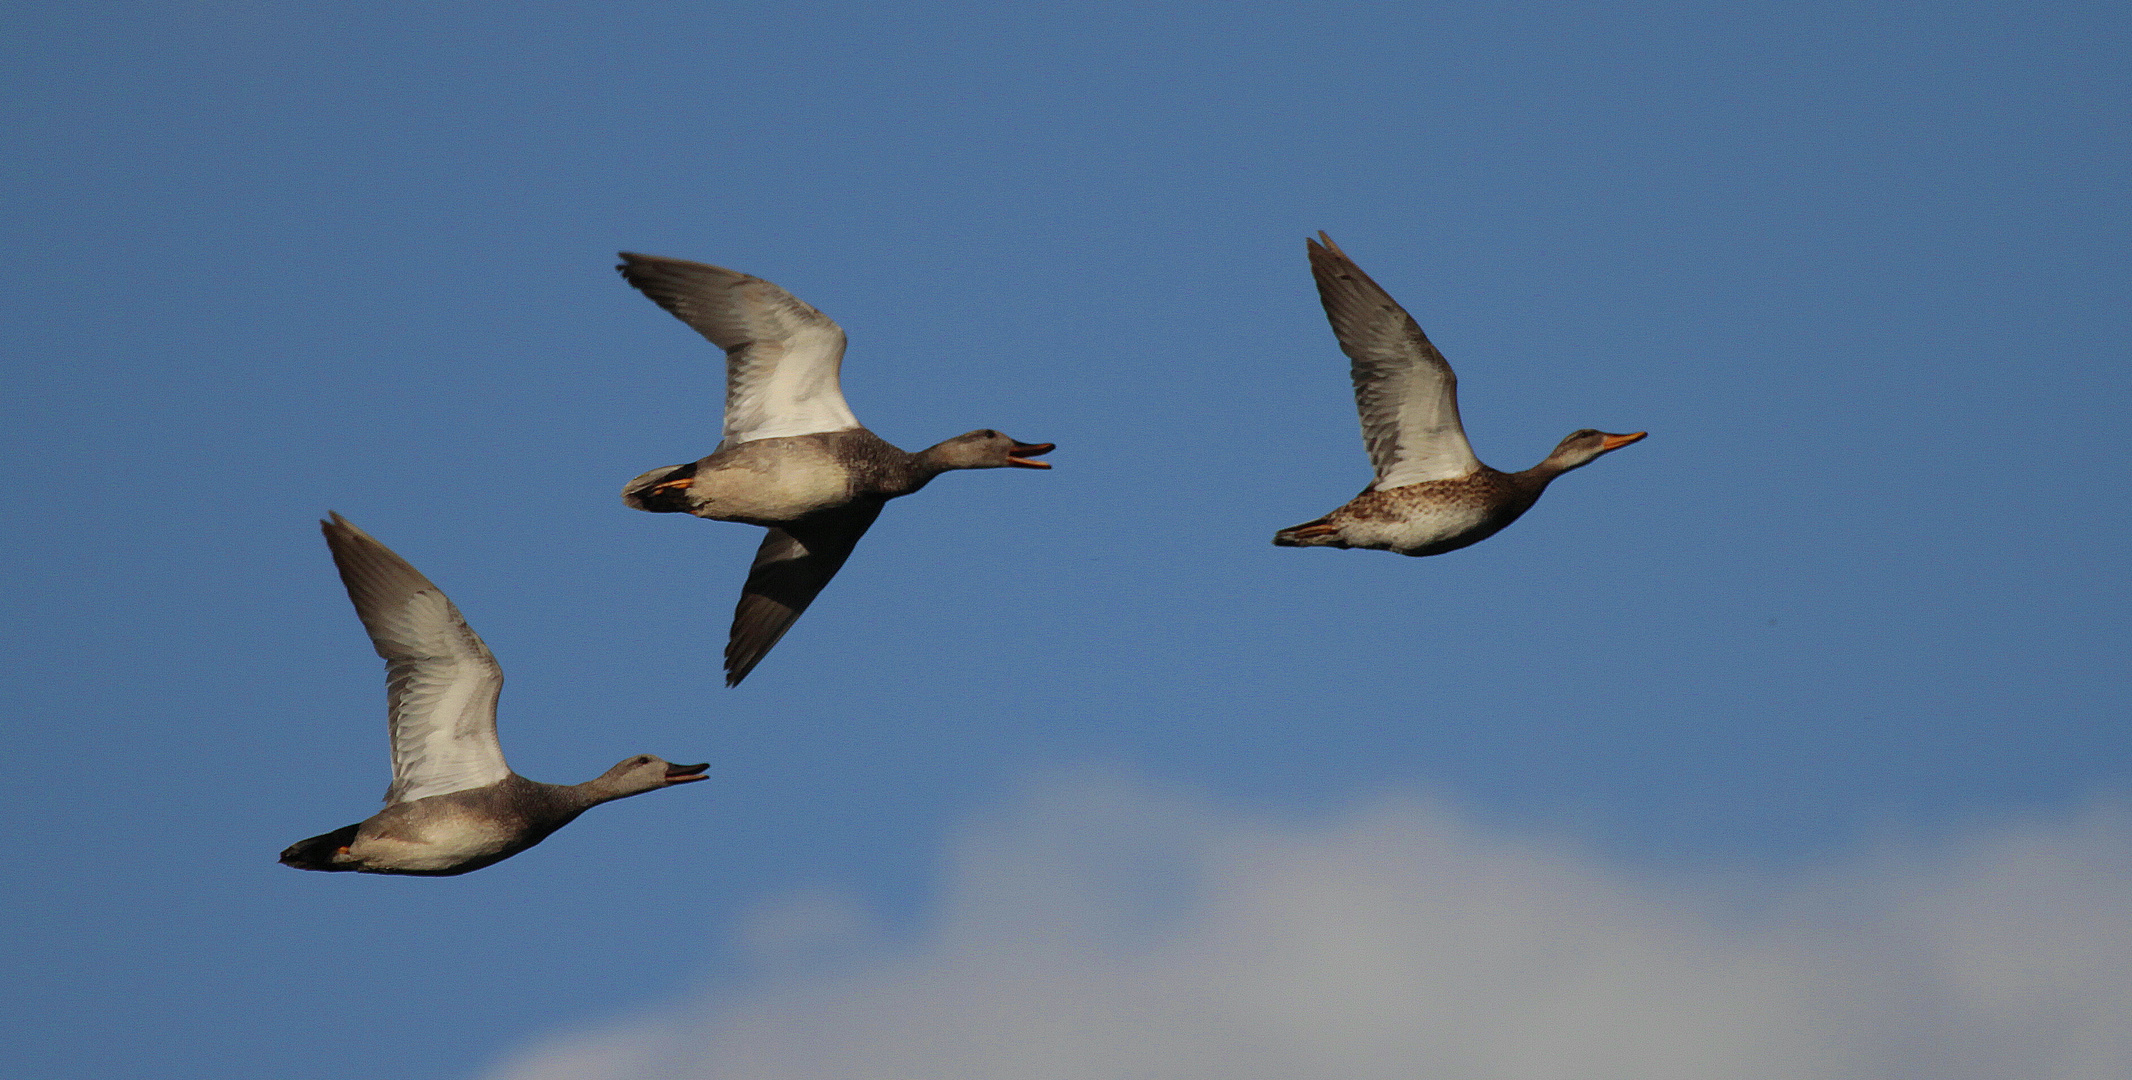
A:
(453, 806)
(1431, 495)
(793, 459)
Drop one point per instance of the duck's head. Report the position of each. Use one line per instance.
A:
(648, 772)
(987, 449)
(1580, 447)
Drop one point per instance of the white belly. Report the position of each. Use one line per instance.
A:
(1419, 532)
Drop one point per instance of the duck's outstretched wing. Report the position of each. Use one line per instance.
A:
(1404, 389)
(793, 565)
(441, 681)
(782, 356)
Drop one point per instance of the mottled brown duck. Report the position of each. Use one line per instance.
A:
(793, 459)
(1431, 495)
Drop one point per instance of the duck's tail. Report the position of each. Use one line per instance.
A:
(1319, 533)
(318, 852)
(661, 491)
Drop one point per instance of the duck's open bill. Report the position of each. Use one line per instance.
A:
(682, 774)
(1020, 457)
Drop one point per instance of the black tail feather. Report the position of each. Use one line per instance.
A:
(644, 492)
(317, 853)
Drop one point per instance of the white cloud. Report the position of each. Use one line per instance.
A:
(1105, 930)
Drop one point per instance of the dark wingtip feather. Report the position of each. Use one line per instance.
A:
(375, 576)
(736, 667)
(759, 623)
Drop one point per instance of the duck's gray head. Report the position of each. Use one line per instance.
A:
(648, 772)
(1580, 447)
(987, 449)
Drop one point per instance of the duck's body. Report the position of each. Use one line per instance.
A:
(1431, 494)
(773, 482)
(454, 805)
(462, 831)
(1423, 519)
(446, 834)
(793, 458)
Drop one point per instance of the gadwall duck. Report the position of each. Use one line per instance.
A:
(453, 806)
(793, 458)
(1431, 494)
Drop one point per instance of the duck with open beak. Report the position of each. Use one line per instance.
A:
(793, 460)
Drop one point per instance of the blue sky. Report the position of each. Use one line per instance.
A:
(1859, 270)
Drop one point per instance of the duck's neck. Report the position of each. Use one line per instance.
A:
(921, 467)
(555, 804)
(599, 789)
(1539, 476)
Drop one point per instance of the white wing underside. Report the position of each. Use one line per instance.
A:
(791, 386)
(1405, 392)
(783, 358)
(443, 684)
(441, 681)
(1410, 424)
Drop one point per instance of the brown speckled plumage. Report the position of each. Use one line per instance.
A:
(1431, 494)
(1481, 504)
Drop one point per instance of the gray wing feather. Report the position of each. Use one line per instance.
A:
(441, 681)
(790, 569)
(783, 358)
(1404, 389)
